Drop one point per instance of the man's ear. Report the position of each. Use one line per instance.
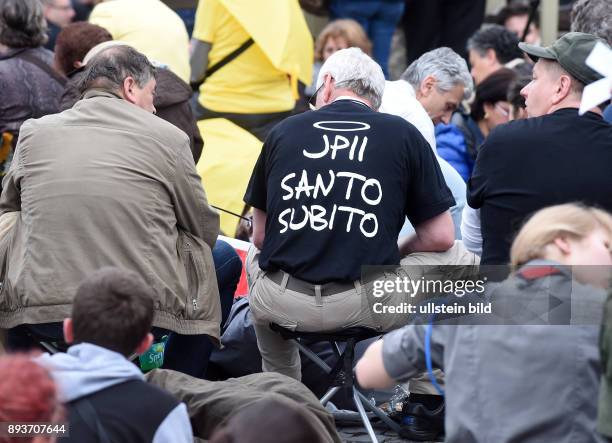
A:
(488, 109)
(564, 88)
(68, 331)
(490, 56)
(128, 89)
(427, 86)
(328, 88)
(145, 344)
(77, 64)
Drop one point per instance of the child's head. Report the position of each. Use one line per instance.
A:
(113, 308)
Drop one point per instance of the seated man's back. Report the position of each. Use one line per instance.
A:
(336, 195)
(530, 164)
(330, 192)
(107, 183)
(554, 157)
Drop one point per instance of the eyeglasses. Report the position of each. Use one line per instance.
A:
(66, 8)
(313, 98)
(504, 112)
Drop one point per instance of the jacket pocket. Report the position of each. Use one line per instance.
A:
(194, 279)
(202, 295)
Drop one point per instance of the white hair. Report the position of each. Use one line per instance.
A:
(354, 70)
(446, 66)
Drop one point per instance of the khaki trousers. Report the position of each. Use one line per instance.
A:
(271, 302)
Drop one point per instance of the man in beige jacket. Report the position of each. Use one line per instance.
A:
(107, 183)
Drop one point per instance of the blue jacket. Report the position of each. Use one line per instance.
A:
(452, 147)
(607, 115)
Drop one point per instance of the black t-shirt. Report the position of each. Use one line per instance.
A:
(527, 165)
(336, 185)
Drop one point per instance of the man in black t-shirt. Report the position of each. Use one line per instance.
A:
(554, 157)
(330, 191)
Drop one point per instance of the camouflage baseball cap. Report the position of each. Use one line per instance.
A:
(571, 52)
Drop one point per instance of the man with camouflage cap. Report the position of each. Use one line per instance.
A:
(554, 157)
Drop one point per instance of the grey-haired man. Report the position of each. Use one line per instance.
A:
(107, 183)
(330, 192)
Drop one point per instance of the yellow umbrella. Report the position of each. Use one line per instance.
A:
(279, 29)
(229, 155)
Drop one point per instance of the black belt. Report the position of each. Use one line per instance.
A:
(306, 288)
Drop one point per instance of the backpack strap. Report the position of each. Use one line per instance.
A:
(84, 408)
(224, 61)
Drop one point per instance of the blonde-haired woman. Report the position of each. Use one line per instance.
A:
(569, 234)
(535, 377)
(339, 34)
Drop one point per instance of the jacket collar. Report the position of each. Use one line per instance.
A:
(540, 268)
(97, 92)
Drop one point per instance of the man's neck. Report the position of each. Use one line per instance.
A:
(571, 103)
(346, 94)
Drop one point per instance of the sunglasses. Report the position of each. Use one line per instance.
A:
(313, 98)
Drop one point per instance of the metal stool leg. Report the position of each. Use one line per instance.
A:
(329, 394)
(313, 357)
(380, 414)
(364, 417)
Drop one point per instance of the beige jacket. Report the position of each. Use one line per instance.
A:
(107, 184)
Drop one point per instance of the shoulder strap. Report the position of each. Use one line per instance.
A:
(84, 408)
(42, 65)
(224, 61)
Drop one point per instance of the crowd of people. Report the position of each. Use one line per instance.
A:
(139, 137)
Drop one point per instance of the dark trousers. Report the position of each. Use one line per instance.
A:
(431, 24)
(184, 353)
(189, 354)
(378, 19)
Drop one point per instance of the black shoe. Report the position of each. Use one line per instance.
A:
(420, 423)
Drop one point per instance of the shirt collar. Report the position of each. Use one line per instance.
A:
(351, 98)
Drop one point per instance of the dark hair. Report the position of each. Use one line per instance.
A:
(503, 42)
(254, 422)
(493, 89)
(74, 42)
(109, 68)
(113, 308)
(513, 10)
(22, 24)
(514, 92)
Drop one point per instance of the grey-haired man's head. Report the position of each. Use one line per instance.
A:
(354, 72)
(123, 71)
(441, 79)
